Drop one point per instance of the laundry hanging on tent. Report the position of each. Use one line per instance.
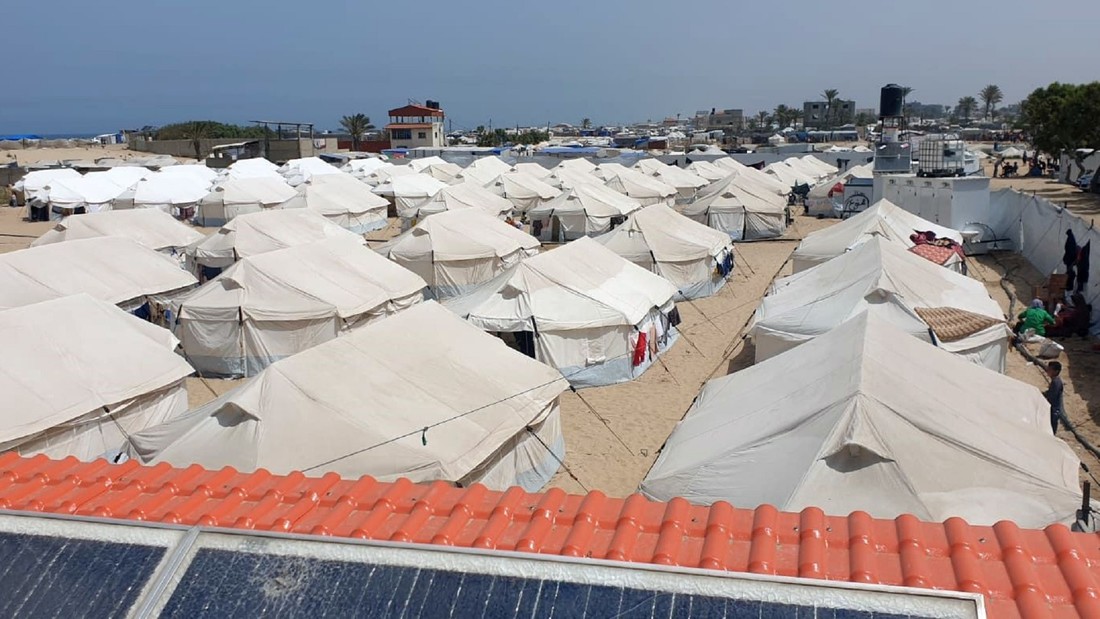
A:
(640, 349)
(1083, 256)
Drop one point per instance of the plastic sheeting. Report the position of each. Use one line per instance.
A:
(282, 302)
(74, 369)
(358, 405)
(867, 418)
(886, 280)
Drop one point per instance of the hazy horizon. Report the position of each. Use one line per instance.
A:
(92, 68)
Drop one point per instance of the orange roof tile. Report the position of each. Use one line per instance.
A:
(1052, 573)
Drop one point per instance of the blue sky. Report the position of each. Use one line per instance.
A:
(99, 66)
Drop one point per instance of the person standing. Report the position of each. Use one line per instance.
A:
(1054, 393)
(1069, 259)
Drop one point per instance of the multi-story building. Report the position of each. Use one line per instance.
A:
(817, 115)
(726, 120)
(415, 126)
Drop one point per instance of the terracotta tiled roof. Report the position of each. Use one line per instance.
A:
(1051, 573)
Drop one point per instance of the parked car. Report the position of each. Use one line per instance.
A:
(1085, 181)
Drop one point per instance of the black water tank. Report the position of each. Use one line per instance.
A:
(890, 101)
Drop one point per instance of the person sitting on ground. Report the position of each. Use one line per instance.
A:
(1035, 317)
(1053, 394)
(1072, 319)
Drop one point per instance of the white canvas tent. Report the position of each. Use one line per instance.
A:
(382, 174)
(256, 167)
(423, 163)
(452, 197)
(487, 409)
(789, 176)
(238, 196)
(199, 171)
(585, 210)
(825, 169)
(759, 176)
(578, 164)
(645, 189)
(686, 183)
(694, 258)
(125, 176)
(361, 168)
(298, 171)
(708, 170)
(484, 170)
(866, 418)
(78, 375)
(456, 250)
(343, 200)
(445, 172)
(821, 190)
(36, 180)
(568, 178)
(151, 228)
(171, 193)
(256, 233)
(110, 268)
(882, 219)
(524, 191)
(806, 168)
(741, 208)
(279, 303)
(894, 284)
(408, 190)
(534, 169)
(579, 308)
(91, 193)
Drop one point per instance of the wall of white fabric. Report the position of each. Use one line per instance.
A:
(1037, 227)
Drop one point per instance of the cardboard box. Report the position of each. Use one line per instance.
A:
(1057, 282)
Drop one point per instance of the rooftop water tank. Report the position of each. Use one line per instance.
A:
(890, 101)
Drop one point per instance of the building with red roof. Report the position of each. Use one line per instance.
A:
(1050, 573)
(415, 126)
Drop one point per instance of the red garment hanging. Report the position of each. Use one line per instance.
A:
(640, 349)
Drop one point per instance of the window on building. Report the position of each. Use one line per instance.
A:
(401, 134)
(422, 135)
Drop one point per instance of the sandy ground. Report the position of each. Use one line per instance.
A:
(613, 434)
(83, 153)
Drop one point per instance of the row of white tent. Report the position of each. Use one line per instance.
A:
(877, 388)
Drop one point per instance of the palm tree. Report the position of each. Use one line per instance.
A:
(831, 95)
(966, 106)
(991, 95)
(782, 115)
(356, 125)
(586, 123)
(197, 131)
(762, 115)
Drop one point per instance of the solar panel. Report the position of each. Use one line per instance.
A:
(59, 567)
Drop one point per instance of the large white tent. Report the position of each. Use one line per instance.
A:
(418, 395)
(524, 191)
(578, 164)
(646, 189)
(90, 193)
(789, 175)
(453, 197)
(882, 219)
(580, 308)
(568, 178)
(825, 169)
(694, 258)
(172, 193)
(256, 167)
(866, 418)
(35, 181)
(238, 196)
(198, 171)
(381, 175)
(151, 228)
(408, 190)
(110, 268)
(78, 375)
(361, 168)
(926, 301)
(534, 169)
(807, 169)
(740, 207)
(686, 183)
(457, 250)
(446, 172)
(343, 200)
(279, 303)
(256, 233)
(484, 170)
(298, 171)
(708, 170)
(423, 163)
(584, 210)
(759, 176)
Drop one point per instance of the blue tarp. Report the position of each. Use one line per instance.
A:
(19, 137)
